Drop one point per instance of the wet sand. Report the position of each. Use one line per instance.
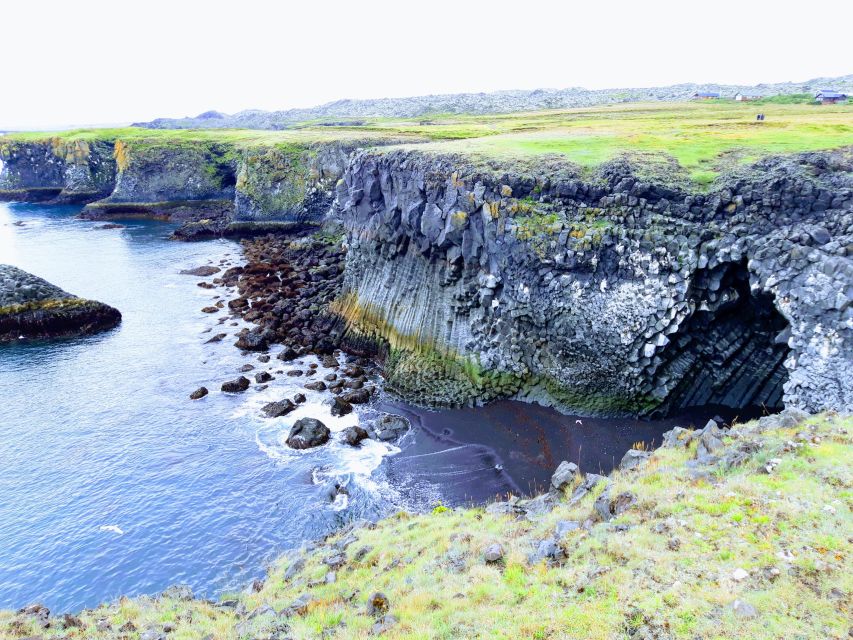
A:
(476, 454)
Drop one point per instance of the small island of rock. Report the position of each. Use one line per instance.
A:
(32, 308)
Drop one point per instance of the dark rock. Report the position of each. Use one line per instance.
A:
(246, 368)
(354, 435)
(278, 409)
(299, 398)
(307, 433)
(255, 340)
(358, 396)
(198, 393)
(294, 373)
(206, 270)
(315, 385)
(340, 407)
(263, 376)
(236, 386)
(217, 338)
(287, 354)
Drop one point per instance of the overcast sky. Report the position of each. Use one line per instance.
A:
(91, 62)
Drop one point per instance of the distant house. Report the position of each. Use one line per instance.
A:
(746, 96)
(706, 95)
(826, 96)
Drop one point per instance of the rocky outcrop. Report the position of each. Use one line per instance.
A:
(213, 187)
(167, 179)
(32, 308)
(61, 171)
(624, 292)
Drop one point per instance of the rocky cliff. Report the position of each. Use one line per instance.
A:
(207, 184)
(57, 170)
(621, 291)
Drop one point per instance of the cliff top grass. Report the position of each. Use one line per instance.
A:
(759, 549)
(704, 137)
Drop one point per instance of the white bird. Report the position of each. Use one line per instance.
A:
(579, 422)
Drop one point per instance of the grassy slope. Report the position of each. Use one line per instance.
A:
(702, 136)
(668, 573)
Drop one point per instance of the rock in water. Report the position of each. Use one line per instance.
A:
(198, 393)
(278, 409)
(236, 386)
(354, 435)
(339, 407)
(31, 308)
(207, 270)
(307, 433)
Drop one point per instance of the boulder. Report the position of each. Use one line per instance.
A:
(340, 407)
(316, 385)
(278, 408)
(262, 376)
(254, 340)
(307, 433)
(236, 386)
(354, 435)
(493, 553)
(198, 393)
(206, 270)
(634, 459)
(357, 396)
(391, 427)
(564, 476)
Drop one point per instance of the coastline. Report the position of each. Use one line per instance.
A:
(583, 543)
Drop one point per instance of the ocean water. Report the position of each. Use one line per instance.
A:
(113, 482)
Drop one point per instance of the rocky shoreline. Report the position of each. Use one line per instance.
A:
(33, 309)
(586, 543)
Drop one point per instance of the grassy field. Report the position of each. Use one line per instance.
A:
(702, 136)
(758, 550)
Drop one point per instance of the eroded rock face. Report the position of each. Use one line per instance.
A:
(33, 309)
(619, 294)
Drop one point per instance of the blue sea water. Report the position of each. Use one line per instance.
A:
(113, 482)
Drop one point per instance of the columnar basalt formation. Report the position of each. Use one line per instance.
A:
(623, 292)
(32, 308)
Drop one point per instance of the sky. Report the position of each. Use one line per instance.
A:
(86, 62)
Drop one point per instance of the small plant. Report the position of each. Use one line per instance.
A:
(640, 446)
(439, 509)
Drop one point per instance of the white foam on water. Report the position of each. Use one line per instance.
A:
(112, 528)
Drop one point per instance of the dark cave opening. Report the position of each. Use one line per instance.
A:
(731, 352)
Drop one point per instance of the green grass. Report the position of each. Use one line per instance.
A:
(612, 584)
(704, 137)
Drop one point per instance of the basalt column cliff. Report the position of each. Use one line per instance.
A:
(618, 292)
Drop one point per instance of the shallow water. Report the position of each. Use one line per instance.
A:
(112, 482)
